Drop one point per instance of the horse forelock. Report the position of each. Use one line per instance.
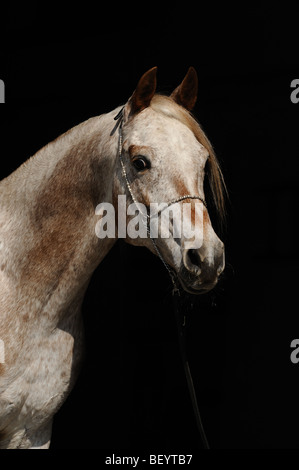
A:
(168, 107)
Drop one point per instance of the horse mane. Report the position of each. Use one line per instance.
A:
(167, 106)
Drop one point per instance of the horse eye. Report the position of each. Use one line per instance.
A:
(141, 163)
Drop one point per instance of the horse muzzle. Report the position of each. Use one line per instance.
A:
(200, 268)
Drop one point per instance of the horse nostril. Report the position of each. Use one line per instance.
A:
(194, 258)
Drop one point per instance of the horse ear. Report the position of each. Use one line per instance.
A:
(144, 92)
(186, 93)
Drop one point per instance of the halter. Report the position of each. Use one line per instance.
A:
(180, 319)
(119, 119)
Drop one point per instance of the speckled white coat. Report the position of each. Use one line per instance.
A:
(49, 250)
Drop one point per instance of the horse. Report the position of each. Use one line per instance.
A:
(152, 149)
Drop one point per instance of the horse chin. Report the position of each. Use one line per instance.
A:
(192, 290)
(194, 287)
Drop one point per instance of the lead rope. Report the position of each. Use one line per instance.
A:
(176, 295)
(181, 328)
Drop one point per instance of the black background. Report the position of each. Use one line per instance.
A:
(62, 65)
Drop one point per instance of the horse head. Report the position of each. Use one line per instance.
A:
(165, 156)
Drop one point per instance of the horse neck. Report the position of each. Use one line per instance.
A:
(51, 200)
